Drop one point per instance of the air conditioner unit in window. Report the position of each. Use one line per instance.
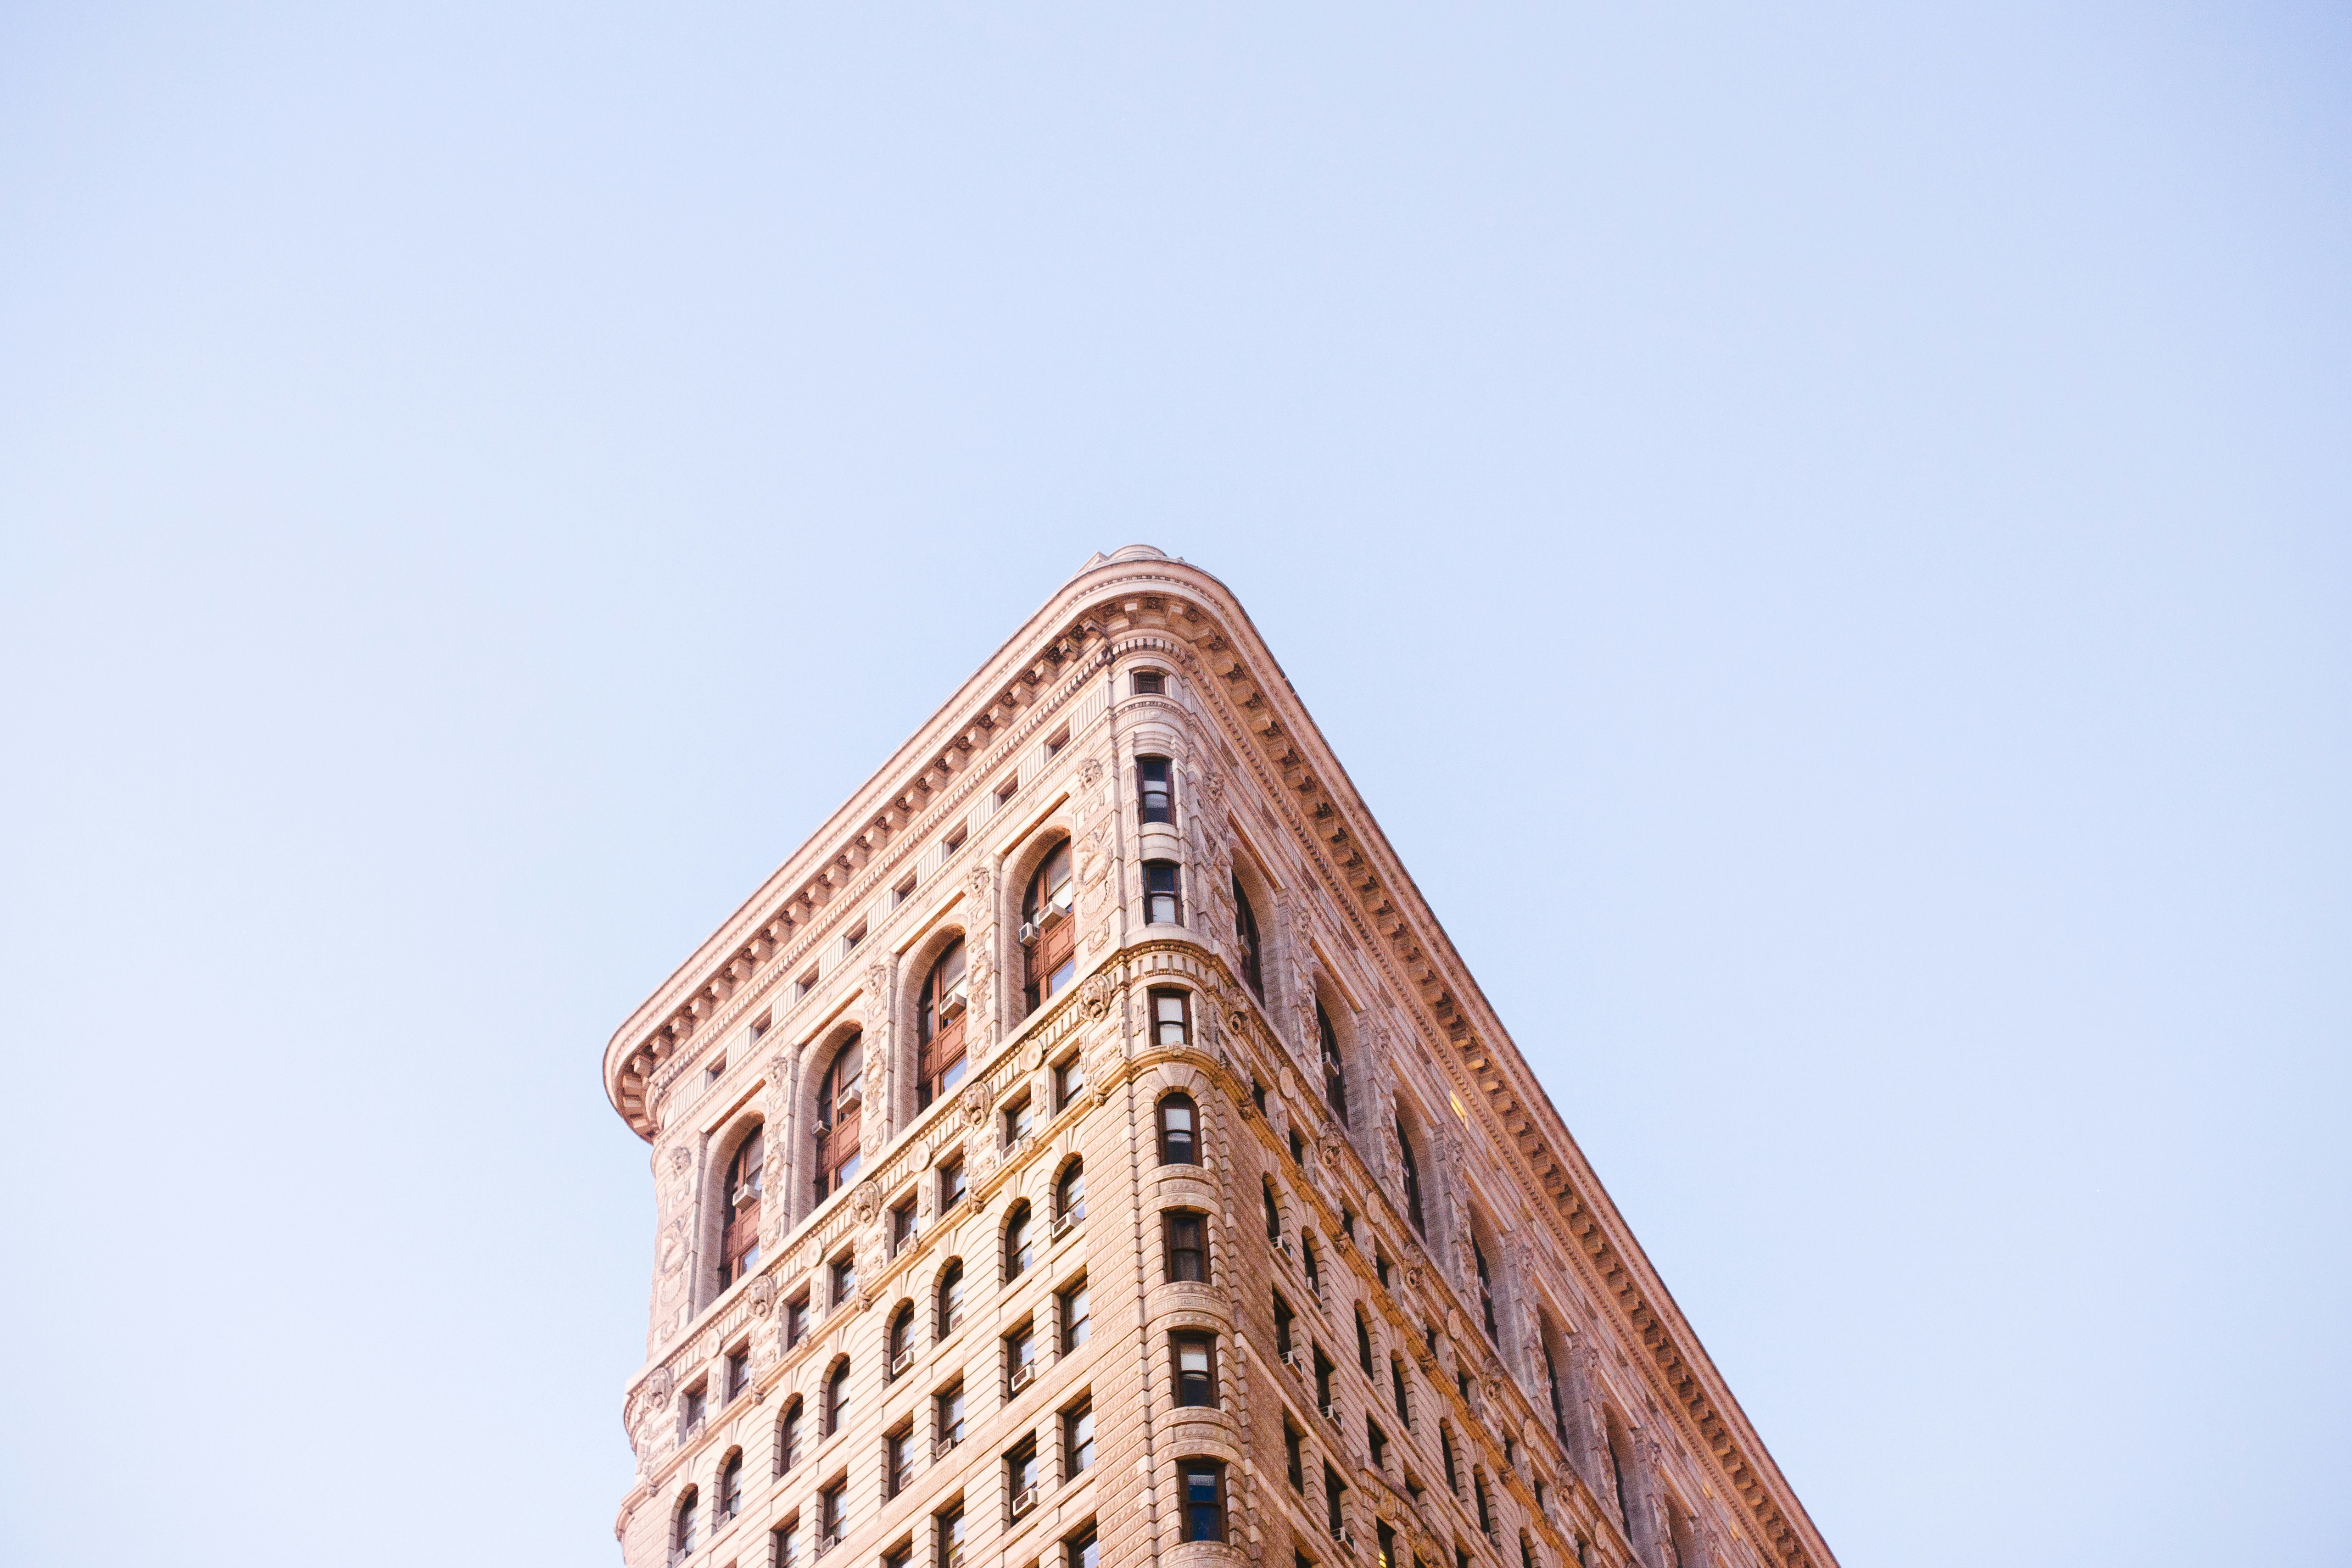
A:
(1295, 1358)
(1331, 1412)
(1023, 1500)
(898, 1366)
(1052, 915)
(952, 1007)
(1290, 1249)
(1023, 1376)
(745, 1194)
(1028, 931)
(851, 1095)
(1061, 1226)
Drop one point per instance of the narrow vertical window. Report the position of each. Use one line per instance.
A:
(951, 1295)
(836, 1398)
(940, 1026)
(1294, 1451)
(1155, 789)
(1171, 1018)
(952, 1183)
(1335, 1071)
(1078, 1317)
(1018, 1251)
(1049, 947)
(1177, 1144)
(832, 1513)
(1187, 1247)
(1485, 1290)
(950, 1416)
(1335, 1494)
(1551, 1383)
(1245, 938)
(1021, 1476)
(731, 1487)
(1195, 1358)
(788, 1438)
(950, 1534)
(685, 1534)
(739, 1242)
(1363, 1343)
(1163, 898)
(1411, 1178)
(1204, 1499)
(1081, 1550)
(902, 1339)
(1070, 1193)
(840, 1096)
(1396, 1386)
(1273, 1214)
(1078, 1440)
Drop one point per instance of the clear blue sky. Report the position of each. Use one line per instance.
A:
(1822, 537)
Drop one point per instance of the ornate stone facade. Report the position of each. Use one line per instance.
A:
(1425, 1309)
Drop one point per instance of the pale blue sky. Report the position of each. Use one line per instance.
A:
(1822, 538)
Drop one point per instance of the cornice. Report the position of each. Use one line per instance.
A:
(1266, 727)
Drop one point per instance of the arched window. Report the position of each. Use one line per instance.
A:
(1155, 789)
(1363, 1343)
(1018, 1252)
(1070, 1193)
(836, 1397)
(1049, 938)
(738, 1239)
(788, 1438)
(1246, 938)
(1273, 1212)
(940, 1026)
(950, 1298)
(1620, 1456)
(1335, 1072)
(1178, 1146)
(1412, 1180)
(731, 1486)
(1314, 1268)
(1485, 1290)
(839, 1098)
(686, 1532)
(902, 1337)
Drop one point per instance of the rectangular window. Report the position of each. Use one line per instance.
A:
(899, 1556)
(1204, 1499)
(1171, 1017)
(1445, 1452)
(950, 1412)
(952, 1184)
(784, 1544)
(715, 1072)
(1080, 1551)
(905, 1226)
(949, 1530)
(1155, 789)
(1323, 1370)
(832, 1512)
(739, 1373)
(955, 839)
(1009, 788)
(1387, 1538)
(1334, 1505)
(1195, 1356)
(805, 984)
(845, 1280)
(1021, 1476)
(1078, 1317)
(903, 891)
(1019, 1359)
(1069, 1083)
(1077, 1438)
(1187, 1246)
(1163, 899)
(1294, 1449)
(1282, 1320)
(1020, 1121)
(898, 1461)
(1061, 738)
(857, 935)
(1150, 683)
(691, 1408)
(1377, 1442)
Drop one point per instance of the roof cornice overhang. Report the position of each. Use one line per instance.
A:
(1264, 714)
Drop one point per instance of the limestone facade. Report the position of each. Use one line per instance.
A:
(912, 1312)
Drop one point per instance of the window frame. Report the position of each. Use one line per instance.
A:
(1191, 1136)
(1188, 1518)
(1170, 1218)
(1156, 897)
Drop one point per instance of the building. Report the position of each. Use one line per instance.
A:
(1087, 1151)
